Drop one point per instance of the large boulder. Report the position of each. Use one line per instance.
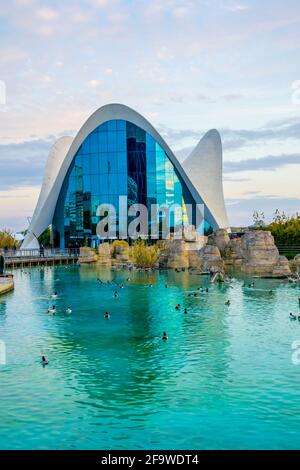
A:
(233, 254)
(219, 238)
(256, 253)
(174, 255)
(297, 261)
(211, 259)
(87, 255)
(104, 253)
(295, 264)
(184, 252)
(260, 252)
(121, 253)
(282, 267)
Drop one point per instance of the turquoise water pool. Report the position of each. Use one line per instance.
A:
(224, 379)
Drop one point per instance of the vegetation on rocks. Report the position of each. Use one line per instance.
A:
(285, 229)
(144, 256)
(7, 239)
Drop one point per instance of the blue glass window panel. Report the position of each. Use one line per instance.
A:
(160, 162)
(177, 185)
(111, 141)
(78, 160)
(112, 163)
(121, 141)
(113, 184)
(95, 200)
(151, 183)
(94, 164)
(112, 125)
(178, 198)
(130, 130)
(103, 183)
(102, 138)
(151, 161)
(86, 183)
(94, 142)
(141, 137)
(121, 125)
(86, 146)
(122, 162)
(95, 184)
(103, 163)
(79, 182)
(103, 127)
(160, 184)
(150, 143)
(122, 184)
(71, 188)
(161, 199)
(169, 182)
(172, 218)
(86, 164)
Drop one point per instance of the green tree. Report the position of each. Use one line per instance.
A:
(7, 238)
(45, 238)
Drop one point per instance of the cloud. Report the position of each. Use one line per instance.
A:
(237, 7)
(180, 12)
(23, 164)
(231, 179)
(47, 14)
(229, 97)
(234, 139)
(94, 83)
(268, 163)
(240, 211)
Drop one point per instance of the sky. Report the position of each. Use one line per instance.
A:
(187, 66)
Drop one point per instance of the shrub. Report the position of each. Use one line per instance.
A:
(122, 243)
(144, 256)
(7, 238)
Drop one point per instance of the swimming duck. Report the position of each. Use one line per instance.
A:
(106, 315)
(44, 361)
(69, 310)
(227, 302)
(52, 310)
(54, 296)
(164, 336)
(293, 316)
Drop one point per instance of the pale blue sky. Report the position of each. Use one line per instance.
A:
(188, 66)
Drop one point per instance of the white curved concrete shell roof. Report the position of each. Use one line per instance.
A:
(64, 150)
(204, 167)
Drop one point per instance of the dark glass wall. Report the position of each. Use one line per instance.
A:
(116, 159)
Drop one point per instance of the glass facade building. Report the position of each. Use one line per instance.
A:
(118, 158)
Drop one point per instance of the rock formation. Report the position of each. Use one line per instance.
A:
(256, 253)
(191, 252)
(219, 238)
(87, 255)
(104, 253)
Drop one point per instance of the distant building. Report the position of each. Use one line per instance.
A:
(117, 153)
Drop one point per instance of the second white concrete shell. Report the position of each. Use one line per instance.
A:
(204, 167)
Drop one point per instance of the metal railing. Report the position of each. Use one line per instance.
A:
(50, 253)
(289, 250)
